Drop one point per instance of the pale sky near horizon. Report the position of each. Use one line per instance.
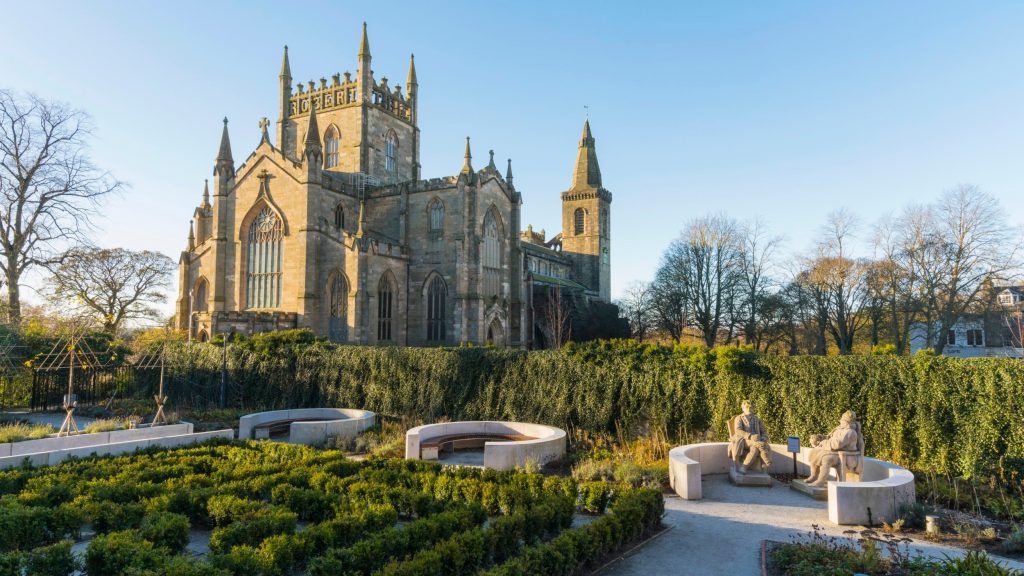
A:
(780, 110)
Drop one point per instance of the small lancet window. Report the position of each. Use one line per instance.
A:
(436, 216)
(579, 218)
(333, 143)
(390, 147)
(339, 217)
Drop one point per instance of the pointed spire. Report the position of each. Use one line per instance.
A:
(313, 147)
(224, 154)
(588, 173)
(491, 163)
(191, 236)
(467, 167)
(286, 69)
(364, 45)
(508, 173)
(411, 82)
(206, 194)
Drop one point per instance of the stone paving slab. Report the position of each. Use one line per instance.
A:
(722, 533)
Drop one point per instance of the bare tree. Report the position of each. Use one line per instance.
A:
(961, 244)
(48, 186)
(703, 267)
(558, 317)
(113, 285)
(757, 249)
(637, 304)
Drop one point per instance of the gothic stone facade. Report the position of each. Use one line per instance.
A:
(332, 229)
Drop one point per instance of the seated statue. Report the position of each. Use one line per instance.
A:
(842, 449)
(748, 441)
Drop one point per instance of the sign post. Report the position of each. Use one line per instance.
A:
(793, 444)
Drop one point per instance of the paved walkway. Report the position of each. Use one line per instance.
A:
(722, 533)
(54, 419)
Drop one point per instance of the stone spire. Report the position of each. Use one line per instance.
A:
(588, 173)
(206, 194)
(467, 166)
(191, 236)
(313, 150)
(286, 69)
(490, 164)
(411, 83)
(364, 45)
(224, 161)
(508, 174)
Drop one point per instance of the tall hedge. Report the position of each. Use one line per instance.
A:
(949, 415)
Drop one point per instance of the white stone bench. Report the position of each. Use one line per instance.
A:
(542, 444)
(307, 425)
(95, 439)
(884, 487)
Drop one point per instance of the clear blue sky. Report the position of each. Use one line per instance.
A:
(785, 110)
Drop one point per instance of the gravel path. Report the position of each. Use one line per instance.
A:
(54, 419)
(722, 533)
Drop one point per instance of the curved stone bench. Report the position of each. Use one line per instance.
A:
(883, 488)
(310, 425)
(543, 443)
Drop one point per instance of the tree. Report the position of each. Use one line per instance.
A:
(49, 187)
(558, 317)
(840, 279)
(703, 267)
(637, 305)
(757, 249)
(112, 285)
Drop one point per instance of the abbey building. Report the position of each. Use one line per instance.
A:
(328, 225)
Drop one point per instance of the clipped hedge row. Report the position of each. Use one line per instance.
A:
(942, 414)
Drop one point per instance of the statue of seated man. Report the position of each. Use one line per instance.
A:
(827, 451)
(748, 445)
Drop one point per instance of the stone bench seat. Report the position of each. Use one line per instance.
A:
(309, 426)
(506, 444)
(265, 430)
(432, 447)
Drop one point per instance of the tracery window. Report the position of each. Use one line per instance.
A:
(264, 258)
(579, 218)
(436, 216)
(333, 143)
(491, 257)
(339, 217)
(385, 301)
(436, 295)
(199, 298)
(390, 145)
(338, 296)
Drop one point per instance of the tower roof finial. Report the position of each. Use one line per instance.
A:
(490, 164)
(191, 236)
(286, 69)
(411, 81)
(206, 193)
(364, 44)
(313, 146)
(224, 152)
(467, 167)
(587, 173)
(508, 172)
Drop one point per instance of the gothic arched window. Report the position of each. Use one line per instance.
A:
(338, 291)
(437, 294)
(264, 257)
(390, 147)
(385, 301)
(339, 217)
(199, 296)
(333, 142)
(491, 257)
(579, 218)
(436, 216)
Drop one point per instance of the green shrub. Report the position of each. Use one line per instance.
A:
(10, 563)
(53, 560)
(1014, 542)
(166, 529)
(913, 515)
(23, 527)
(108, 516)
(119, 553)
(252, 529)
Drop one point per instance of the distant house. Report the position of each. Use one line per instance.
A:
(995, 334)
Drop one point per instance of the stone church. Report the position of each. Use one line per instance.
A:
(330, 226)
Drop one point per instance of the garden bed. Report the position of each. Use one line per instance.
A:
(282, 509)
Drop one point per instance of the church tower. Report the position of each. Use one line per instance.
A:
(586, 219)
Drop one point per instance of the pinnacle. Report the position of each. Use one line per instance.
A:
(588, 173)
(467, 168)
(364, 44)
(412, 74)
(313, 133)
(224, 153)
(286, 69)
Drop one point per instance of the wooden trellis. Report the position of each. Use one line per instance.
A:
(154, 360)
(69, 352)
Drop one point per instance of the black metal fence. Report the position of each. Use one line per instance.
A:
(91, 386)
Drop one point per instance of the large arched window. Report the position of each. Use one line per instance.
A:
(385, 303)
(264, 257)
(332, 141)
(437, 294)
(199, 296)
(339, 217)
(436, 212)
(337, 306)
(579, 218)
(491, 257)
(390, 149)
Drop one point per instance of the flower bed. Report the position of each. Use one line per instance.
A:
(377, 516)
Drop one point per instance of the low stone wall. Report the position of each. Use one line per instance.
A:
(320, 424)
(884, 486)
(52, 457)
(97, 439)
(546, 443)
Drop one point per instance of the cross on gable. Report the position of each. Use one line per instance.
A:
(264, 123)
